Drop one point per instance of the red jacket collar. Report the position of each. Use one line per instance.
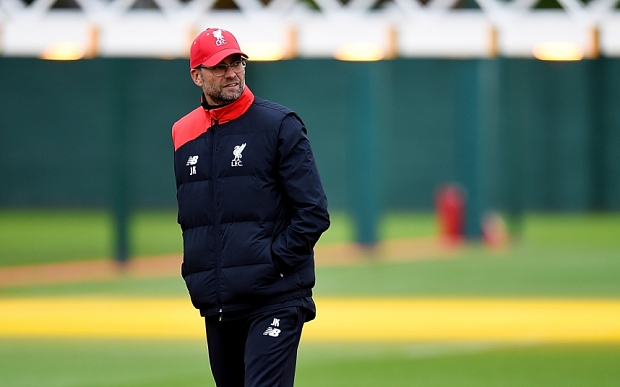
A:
(233, 110)
(200, 119)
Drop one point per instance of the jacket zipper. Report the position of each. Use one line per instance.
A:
(216, 223)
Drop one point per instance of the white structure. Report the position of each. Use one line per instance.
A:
(359, 29)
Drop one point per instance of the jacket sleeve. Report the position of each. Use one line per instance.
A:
(299, 178)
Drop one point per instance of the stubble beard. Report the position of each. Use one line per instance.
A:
(220, 97)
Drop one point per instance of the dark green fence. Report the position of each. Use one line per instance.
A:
(518, 134)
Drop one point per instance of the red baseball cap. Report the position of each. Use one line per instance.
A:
(212, 46)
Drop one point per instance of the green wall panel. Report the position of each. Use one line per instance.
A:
(546, 135)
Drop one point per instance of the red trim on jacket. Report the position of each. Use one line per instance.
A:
(199, 120)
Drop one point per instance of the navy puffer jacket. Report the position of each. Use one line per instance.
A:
(251, 205)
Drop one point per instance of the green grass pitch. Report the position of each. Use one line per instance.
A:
(556, 256)
(95, 363)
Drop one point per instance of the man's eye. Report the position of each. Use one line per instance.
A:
(220, 68)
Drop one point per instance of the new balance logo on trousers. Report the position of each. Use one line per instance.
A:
(271, 331)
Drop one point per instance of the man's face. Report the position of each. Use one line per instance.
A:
(219, 90)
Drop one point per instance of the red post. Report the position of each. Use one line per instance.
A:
(450, 206)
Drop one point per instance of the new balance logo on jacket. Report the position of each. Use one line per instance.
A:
(193, 160)
(191, 163)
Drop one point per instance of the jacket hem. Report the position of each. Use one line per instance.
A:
(212, 311)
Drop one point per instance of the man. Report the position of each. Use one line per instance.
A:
(251, 208)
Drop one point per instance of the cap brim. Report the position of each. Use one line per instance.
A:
(221, 55)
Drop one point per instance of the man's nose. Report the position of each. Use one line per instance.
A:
(230, 72)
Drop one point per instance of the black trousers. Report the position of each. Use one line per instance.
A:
(255, 351)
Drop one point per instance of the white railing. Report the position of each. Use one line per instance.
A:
(292, 28)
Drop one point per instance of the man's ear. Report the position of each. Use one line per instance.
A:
(196, 77)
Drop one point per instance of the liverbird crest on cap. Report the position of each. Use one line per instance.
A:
(212, 46)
